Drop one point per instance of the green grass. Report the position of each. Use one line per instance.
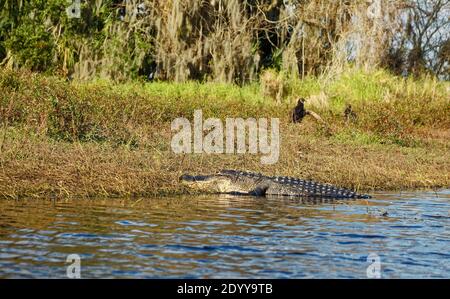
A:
(99, 138)
(387, 107)
(357, 137)
(357, 87)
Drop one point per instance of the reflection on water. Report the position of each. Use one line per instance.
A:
(227, 237)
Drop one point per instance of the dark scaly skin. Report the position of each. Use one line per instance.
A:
(249, 183)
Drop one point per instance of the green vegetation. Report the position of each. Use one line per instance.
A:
(86, 103)
(98, 138)
(222, 41)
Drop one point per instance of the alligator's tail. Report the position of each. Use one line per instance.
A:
(326, 190)
(314, 189)
(338, 193)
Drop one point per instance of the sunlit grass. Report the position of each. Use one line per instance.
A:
(103, 138)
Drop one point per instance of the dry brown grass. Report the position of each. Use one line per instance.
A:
(272, 85)
(318, 101)
(38, 167)
(99, 139)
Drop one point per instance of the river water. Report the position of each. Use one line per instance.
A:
(406, 235)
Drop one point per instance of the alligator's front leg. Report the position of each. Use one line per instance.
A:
(260, 190)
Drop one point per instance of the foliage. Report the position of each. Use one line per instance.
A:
(224, 41)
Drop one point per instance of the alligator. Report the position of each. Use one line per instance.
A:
(255, 184)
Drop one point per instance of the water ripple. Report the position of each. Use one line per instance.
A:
(228, 237)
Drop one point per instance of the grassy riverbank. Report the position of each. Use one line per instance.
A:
(74, 139)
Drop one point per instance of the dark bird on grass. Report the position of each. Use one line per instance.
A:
(299, 111)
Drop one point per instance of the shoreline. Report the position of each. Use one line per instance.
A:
(44, 168)
(186, 193)
(87, 139)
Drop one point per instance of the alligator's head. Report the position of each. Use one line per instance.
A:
(215, 183)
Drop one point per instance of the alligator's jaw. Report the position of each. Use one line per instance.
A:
(209, 183)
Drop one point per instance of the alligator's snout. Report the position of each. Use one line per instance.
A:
(193, 178)
(186, 178)
(206, 183)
